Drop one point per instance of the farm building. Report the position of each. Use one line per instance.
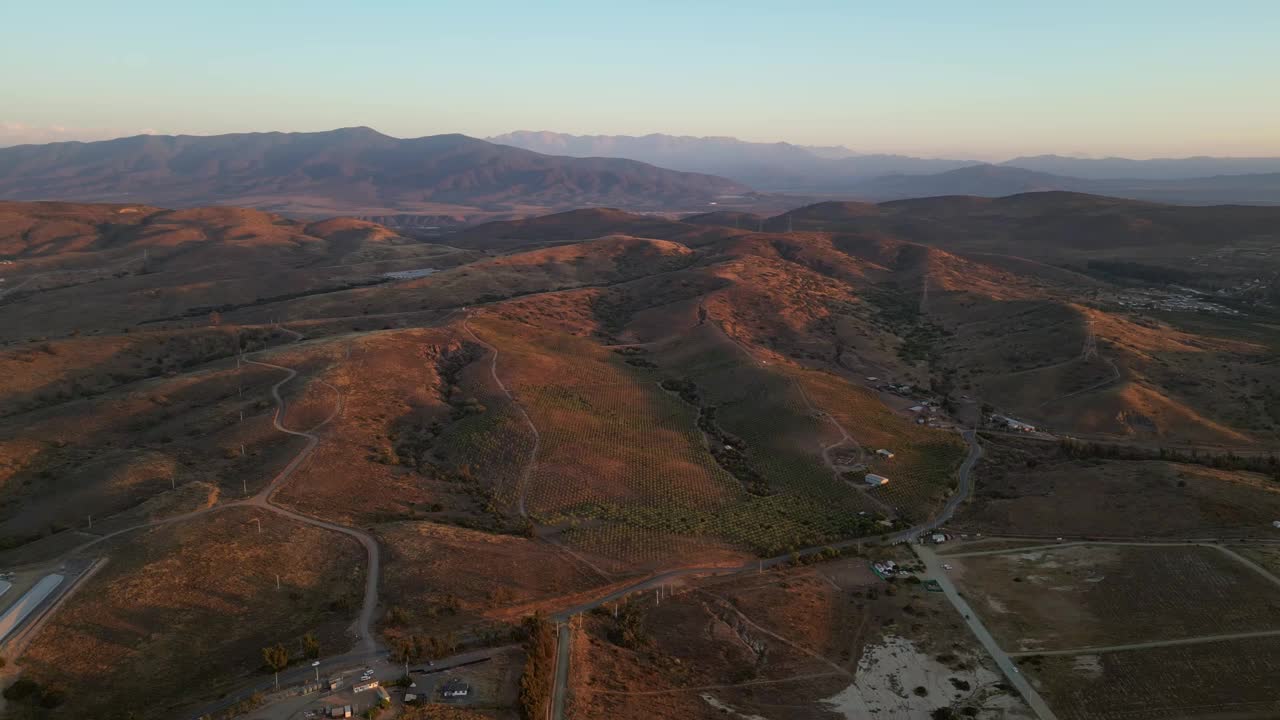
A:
(886, 454)
(29, 601)
(876, 480)
(455, 689)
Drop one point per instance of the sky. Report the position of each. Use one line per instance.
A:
(981, 79)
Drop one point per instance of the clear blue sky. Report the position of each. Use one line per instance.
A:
(981, 79)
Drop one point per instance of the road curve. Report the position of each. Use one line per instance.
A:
(363, 626)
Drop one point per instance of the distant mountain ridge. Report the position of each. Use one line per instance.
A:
(350, 170)
(1001, 180)
(780, 167)
(785, 167)
(1118, 168)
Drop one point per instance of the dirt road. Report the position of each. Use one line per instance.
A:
(537, 438)
(362, 628)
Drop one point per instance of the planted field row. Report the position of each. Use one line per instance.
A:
(629, 444)
(1235, 679)
(495, 446)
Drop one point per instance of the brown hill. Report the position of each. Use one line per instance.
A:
(348, 170)
(576, 225)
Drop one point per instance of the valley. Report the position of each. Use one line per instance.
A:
(633, 462)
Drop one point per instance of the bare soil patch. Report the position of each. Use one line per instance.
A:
(1099, 595)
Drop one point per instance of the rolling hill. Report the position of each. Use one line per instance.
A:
(352, 170)
(583, 400)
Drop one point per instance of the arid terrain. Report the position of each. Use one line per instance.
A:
(597, 463)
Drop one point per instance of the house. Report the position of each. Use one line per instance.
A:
(455, 689)
(886, 454)
(371, 685)
(938, 538)
(917, 408)
(340, 711)
(876, 480)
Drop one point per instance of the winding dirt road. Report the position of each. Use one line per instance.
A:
(362, 628)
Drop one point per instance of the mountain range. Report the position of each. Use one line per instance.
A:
(454, 179)
(784, 167)
(350, 170)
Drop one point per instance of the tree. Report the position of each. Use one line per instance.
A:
(276, 658)
(311, 646)
(535, 682)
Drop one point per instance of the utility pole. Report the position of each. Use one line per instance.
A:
(90, 522)
(277, 574)
(788, 222)
(316, 664)
(259, 521)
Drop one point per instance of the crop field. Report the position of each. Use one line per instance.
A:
(1100, 595)
(1237, 679)
(1035, 488)
(622, 459)
(493, 445)
(652, 451)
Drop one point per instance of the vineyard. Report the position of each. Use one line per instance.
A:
(1233, 679)
(493, 445)
(626, 444)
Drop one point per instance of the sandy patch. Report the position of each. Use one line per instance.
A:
(895, 679)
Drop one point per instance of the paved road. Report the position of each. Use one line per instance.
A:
(560, 683)
(1002, 659)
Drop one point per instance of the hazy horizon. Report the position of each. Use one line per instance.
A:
(14, 134)
(1137, 80)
